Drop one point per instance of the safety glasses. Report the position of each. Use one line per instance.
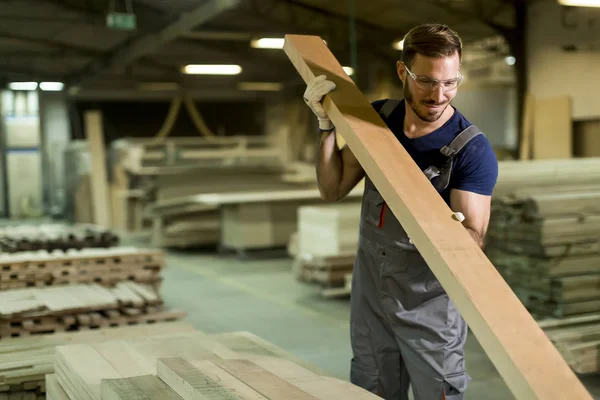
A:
(430, 84)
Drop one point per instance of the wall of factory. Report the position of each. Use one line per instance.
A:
(563, 55)
(493, 108)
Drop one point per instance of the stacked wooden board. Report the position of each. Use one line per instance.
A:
(186, 366)
(24, 362)
(578, 340)
(546, 244)
(326, 245)
(104, 266)
(55, 237)
(25, 312)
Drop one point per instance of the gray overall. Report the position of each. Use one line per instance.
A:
(404, 328)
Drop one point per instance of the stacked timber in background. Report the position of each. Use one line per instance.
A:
(325, 245)
(577, 339)
(47, 292)
(189, 365)
(544, 234)
(544, 238)
(103, 266)
(55, 237)
(547, 247)
(80, 307)
(24, 362)
(168, 168)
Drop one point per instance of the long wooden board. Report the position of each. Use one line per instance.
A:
(522, 353)
(95, 136)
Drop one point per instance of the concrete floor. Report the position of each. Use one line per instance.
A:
(223, 293)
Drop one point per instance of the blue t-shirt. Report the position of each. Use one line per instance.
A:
(475, 168)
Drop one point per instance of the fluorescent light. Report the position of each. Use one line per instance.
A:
(580, 3)
(399, 45)
(22, 85)
(200, 69)
(510, 60)
(268, 43)
(349, 70)
(52, 86)
(260, 86)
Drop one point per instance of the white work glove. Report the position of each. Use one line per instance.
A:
(315, 90)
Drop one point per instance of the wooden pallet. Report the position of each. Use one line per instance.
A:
(55, 237)
(76, 307)
(104, 266)
(327, 271)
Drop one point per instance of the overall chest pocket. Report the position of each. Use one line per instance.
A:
(374, 207)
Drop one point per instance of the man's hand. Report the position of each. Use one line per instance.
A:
(315, 90)
(476, 211)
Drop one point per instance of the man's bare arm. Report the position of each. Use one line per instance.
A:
(476, 210)
(338, 170)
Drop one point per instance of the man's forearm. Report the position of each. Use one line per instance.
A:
(329, 165)
(477, 237)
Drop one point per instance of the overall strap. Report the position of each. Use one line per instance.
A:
(388, 107)
(450, 151)
(460, 141)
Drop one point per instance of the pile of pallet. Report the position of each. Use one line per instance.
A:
(104, 266)
(55, 237)
(189, 365)
(545, 241)
(324, 247)
(26, 312)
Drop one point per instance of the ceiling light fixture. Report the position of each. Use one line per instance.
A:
(580, 3)
(52, 86)
(260, 86)
(22, 85)
(215, 69)
(268, 43)
(510, 60)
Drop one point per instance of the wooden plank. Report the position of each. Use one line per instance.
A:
(526, 128)
(203, 380)
(552, 128)
(528, 362)
(95, 137)
(264, 382)
(145, 387)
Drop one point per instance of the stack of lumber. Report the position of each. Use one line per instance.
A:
(577, 339)
(548, 174)
(546, 244)
(55, 237)
(104, 266)
(25, 312)
(326, 245)
(187, 366)
(24, 362)
(180, 216)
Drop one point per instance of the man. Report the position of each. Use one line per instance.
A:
(405, 331)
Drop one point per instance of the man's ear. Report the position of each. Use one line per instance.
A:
(401, 71)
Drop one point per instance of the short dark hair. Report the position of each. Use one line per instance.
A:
(431, 40)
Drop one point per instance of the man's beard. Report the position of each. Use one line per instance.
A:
(427, 116)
